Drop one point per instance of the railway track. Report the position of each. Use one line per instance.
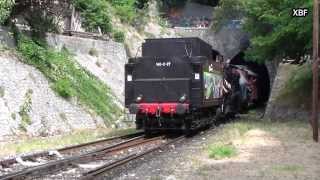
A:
(104, 159)
(31, 157)
(69, 150)
(93, 174)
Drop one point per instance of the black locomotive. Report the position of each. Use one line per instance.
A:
(176, 84)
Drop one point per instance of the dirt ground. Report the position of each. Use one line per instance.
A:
(265, 150)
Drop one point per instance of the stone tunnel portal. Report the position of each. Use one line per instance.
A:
(263, 81)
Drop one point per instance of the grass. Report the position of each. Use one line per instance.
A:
(68, 78)
(223, 142)
(221, 151)
(27, 144)
(288, 168)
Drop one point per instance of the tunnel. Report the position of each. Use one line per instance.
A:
(263, 80)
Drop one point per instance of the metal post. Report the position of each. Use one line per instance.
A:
(314, 117)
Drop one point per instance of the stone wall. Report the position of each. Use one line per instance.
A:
(277, 110)
(28, 105)
(104, 59)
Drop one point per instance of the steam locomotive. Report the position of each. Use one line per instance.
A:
(177, 84)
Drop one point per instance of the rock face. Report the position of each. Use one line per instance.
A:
(28, 105)
(104, 59)
(277, 110)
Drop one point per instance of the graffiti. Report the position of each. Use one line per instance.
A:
(212, 85)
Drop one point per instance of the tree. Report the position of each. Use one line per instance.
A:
(5, 9)
(95, 14)
(274, 33)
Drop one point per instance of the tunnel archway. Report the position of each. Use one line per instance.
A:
(263, 81)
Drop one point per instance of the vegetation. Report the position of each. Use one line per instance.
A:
(64, 88)
(68, 78)
(232, 135)
(221, 151)
(24, 111)
(288, 168)
(28, 144)
(118, 36)
(5, 9)
(95, 14)
(125, 9)
(273, 31)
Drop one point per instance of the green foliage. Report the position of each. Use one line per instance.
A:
(24, 111)
(125, 9)
(5, 9)
(95, 14)
(220, 151)
(63, 88)
(68, 77)
(273, 31)
(118, 36)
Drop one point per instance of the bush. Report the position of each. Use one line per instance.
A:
(5, 9)
(125, 9)
(63, 88)
(95, 14)
(118, 36)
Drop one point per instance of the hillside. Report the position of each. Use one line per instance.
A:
(69, 83)
(29, 106)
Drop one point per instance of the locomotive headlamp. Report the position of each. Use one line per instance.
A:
(183, 98)
(139, 98)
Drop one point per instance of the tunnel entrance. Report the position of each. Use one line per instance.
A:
(263, 80)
